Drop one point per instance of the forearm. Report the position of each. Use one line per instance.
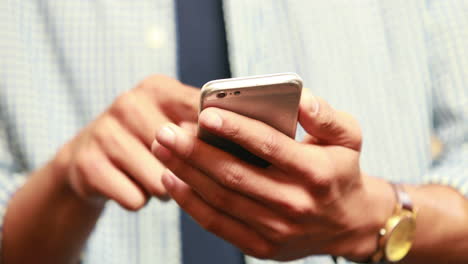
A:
(45, 221)
(442, 225)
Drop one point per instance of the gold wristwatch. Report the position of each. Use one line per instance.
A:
(396, 238)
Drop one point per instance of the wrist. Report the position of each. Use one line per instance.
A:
(379, 201)
(46, 207)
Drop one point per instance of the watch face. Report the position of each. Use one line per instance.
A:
(400, 239)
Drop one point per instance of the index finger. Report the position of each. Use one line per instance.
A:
(256, 137)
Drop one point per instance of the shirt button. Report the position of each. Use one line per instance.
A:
(155, 37)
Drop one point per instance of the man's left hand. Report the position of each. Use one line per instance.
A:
(312, 199)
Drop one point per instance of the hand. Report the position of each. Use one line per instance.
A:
(111, 157)
(313, 199)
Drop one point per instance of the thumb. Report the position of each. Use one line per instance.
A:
(328, 126)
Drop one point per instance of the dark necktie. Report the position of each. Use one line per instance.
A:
(202, 56)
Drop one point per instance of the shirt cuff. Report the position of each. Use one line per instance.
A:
(451, 171)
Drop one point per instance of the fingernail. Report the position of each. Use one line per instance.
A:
(166, 136)
(313, 105)
(211, 119)
(162, 153)
(167, 179)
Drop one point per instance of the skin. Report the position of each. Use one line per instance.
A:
(52, 215)
(301, 202)
(313, 199)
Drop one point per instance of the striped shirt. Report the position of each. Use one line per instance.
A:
(400, 67)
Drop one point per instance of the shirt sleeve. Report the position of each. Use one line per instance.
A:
(447, 40)
(11, 179)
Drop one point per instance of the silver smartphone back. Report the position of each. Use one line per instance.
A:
(272, 99)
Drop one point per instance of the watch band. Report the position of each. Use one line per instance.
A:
(403, 198)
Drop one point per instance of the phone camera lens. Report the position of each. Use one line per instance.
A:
(221, 95)
(236, 92)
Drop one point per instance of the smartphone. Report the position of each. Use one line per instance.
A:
(272, 99)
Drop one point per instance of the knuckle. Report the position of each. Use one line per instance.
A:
(284, 233)
(270, 145)
(82, 162)
(265, 250)
(154, 82)
(101, 130)
(91, 180)
(323, 183)
(322, 187)
(326, 118)
(326, 122)
(353, 130)
(297, 210)
(125, 106)
(88, 166)
(222, 200)
(279, 237)
(231, 129)
(232, 177)
(107, 136)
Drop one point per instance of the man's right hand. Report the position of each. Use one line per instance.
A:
(111, 157)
